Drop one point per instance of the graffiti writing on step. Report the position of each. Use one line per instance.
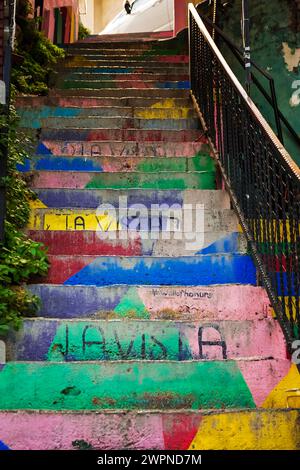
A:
(131, 149)
(105, 222)
(295, 98)
(95, 342)
(182, 293)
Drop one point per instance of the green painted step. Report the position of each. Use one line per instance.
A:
(120, 164)
(123, 385)
(160, 181)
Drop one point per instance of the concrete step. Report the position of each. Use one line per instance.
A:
(126, 63)
(114, 71)
(92, 198)
(158, 83)
(140, 340)
(33, 117)
(78, 103)
(160, 37)
(186, 303)
(134, 243)
(123, 51)
(112, 44)
(128, 46)
(124, 385)
(133, 180)
(123, 148)
(95, 122)
(110, 218)
(99, 68)
(188, 271)
(127, 59)
(117, 164)
(157, 93)
(121, 135)
(173, 430)
(172, 76)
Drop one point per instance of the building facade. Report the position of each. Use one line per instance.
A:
(60, 19)
(96, 14)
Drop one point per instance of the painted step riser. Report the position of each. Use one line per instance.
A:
(124, 149)
(217, 200)
(29, 115)
(81, 180)
(158, 93)
(124, 385)
(135, 219)
(78, 103)
(133, 38)
(105, 271)
(156, 431)
(185, 303)
(126, 46)
(135, 244)
(123, 84)
(111, 68)
(127, 72)
(121, 135)
(124, 41)
(142, 76)
(100, 340)
(116, 123)
(112, 42)
(135, 64)
(127, 59)
(123, 54)
(124, 51)
(96, 43)
(115, 164)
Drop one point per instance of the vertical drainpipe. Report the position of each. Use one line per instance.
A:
(9, 7)
(246, 42)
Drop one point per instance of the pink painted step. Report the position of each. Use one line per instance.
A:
(126, 149)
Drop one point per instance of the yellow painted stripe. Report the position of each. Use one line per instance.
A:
(37, 204)
(163, 113)
(277, 231)
(168, 103)
(67, 220)
(272, 233)
(255, 430)
(287, 393)
(72, 31)
(295, 302)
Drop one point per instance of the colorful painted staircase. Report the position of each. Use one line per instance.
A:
(142, 342)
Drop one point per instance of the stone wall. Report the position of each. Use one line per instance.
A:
(275, 38)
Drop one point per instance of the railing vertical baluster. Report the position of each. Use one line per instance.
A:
(263, 180)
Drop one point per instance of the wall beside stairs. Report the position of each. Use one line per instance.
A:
(275, 44)
(105, 11)
(60, 20)
(139, 343)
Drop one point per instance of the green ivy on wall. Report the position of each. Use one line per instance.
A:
(21, 259)
(35, 56)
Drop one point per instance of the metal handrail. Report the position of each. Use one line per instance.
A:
(261, 177)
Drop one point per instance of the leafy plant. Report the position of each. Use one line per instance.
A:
(21, 259)
(35, 55)
(83, 32)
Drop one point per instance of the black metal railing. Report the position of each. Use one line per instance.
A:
(263, 181)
